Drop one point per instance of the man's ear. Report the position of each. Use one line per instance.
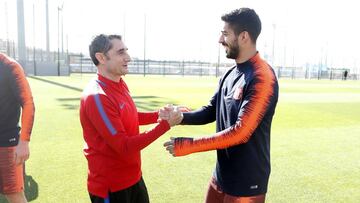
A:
(244, 36)
(100, 57)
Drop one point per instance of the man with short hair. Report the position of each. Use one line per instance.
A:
(243, 107)
(15, 99)
(110, 123)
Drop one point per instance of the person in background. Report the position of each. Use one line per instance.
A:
(15, 100)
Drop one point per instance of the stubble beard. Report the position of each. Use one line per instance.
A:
(233, 51)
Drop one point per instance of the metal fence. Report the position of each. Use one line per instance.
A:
(80, 64)
(39, 63)
(315, 73)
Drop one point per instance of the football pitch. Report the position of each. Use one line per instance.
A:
(315, 141)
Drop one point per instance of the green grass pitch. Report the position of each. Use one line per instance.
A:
(315, 143)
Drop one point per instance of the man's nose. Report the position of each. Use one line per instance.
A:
(221, 39)
(128, 58)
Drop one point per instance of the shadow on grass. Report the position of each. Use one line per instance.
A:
(71, 103)
(143, 103)
(56, 83)
(31, 189)
(151, 103)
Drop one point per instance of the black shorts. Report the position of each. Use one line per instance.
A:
(134, 194)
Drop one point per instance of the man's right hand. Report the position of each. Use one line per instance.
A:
(172, 114)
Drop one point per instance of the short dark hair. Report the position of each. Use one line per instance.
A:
(244, 19)
(101, 44)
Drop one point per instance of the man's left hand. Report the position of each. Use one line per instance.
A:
(22, 152)
(170, 146)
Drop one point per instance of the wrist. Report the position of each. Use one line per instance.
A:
(24, 142)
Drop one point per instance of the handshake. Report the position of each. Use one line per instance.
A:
(172, 114)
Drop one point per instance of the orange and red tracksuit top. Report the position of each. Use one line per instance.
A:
(110, 123)
(15, 94)
(243, 107)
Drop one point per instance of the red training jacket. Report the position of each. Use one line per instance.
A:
(110, 123)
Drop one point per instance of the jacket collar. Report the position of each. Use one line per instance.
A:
(107, 82)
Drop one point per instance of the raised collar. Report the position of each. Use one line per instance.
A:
(255, 58)
(246, 64)
(107, 82)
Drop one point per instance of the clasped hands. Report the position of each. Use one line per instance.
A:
(174, 116)
(171, 114)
